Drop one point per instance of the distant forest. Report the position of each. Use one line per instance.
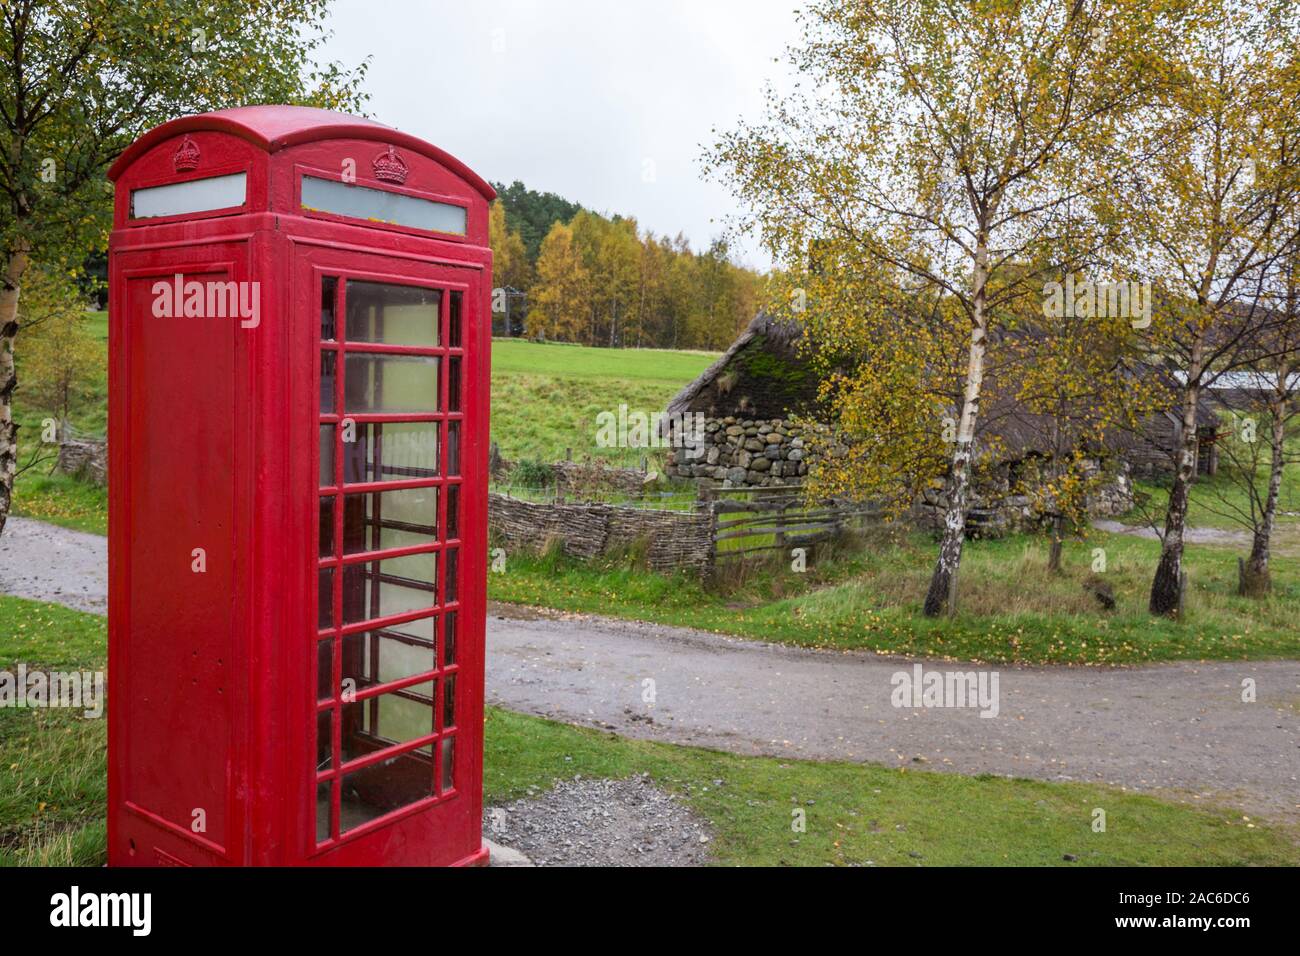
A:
(565, 273)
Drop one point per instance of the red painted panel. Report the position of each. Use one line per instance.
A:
(218, 154)
(181, 645)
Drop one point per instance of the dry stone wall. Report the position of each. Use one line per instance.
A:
(743, 453)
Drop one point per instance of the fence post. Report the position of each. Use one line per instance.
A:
(704, 491)
(710, 504)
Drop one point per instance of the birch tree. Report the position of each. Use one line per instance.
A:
(1264, 422)
(1209, 221)
(937, 146)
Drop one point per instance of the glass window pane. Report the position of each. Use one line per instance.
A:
(453, 383)
(454, 308)
(449, 639)
(448, 755)
(389, 519)
(324, 739)
(324, 669)
(398, 717)
(325, 532)
(196, 195)
(328, 364)
(392, 586)
(383, 787)
(449, 701)
(378, 657)
(421, 628)
(453, 512)
(328, 303)
(392, 314)
(451, 584)
(325, 598)
(323, 810)
(327, 454)
(391, 383)
(391, 451)
(453, 448)
(379, 205)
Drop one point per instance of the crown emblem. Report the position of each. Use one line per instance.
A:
(186, 156)
(390, 167)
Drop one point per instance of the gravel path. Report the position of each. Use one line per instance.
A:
(1285, 541)
(601, 823)
(1234, 536)
(1180, 727)
(47, 563)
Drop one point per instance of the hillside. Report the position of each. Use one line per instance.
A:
(545, 397)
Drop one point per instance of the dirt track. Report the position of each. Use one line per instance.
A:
(1180, 727)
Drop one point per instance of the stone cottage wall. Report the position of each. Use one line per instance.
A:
(742, 453)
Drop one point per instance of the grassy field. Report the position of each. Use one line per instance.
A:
(52, 791)
(569, 385)
(1012, 609)
(573, 384)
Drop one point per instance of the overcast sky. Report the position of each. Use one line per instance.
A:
(585, 99)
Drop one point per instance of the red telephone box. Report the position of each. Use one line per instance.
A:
(299, 336)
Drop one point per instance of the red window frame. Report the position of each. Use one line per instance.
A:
(441, 741)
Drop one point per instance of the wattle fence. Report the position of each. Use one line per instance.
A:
(672, 539)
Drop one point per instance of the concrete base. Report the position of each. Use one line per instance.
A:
(499, 855)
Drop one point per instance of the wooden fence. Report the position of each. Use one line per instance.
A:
(750, 521)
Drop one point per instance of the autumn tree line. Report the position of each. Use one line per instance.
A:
(942, 164)
(601, 281)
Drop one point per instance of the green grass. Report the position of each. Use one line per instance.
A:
(859, 814)
(53, 787)
(1012, 609)
(52, 791)
(41, 493)
(1217, 501)
(62, 500)
(545, 397)
(49, 635)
